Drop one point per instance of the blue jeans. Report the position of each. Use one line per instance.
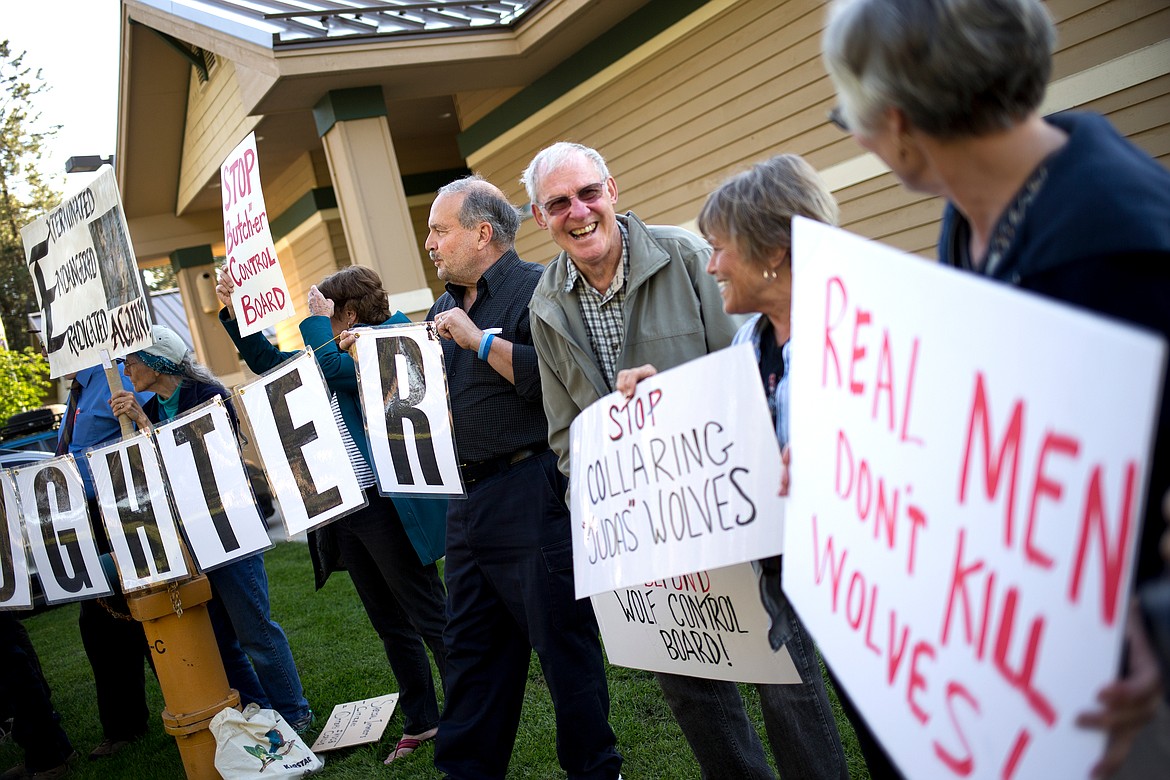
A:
(255, 651)
(798, 719)
(509, 592)
(403, 599)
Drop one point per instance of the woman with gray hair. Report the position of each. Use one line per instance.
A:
(947, 93)
(254, 648)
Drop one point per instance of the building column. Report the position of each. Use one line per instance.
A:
(195, 270)
(368, 185)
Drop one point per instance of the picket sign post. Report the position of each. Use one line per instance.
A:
(186, 656)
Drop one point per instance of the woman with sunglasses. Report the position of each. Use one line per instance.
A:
(254, 648)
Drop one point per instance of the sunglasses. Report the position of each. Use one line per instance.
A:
(560, 205)
(837, 118)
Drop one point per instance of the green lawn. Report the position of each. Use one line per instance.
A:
(341, 659)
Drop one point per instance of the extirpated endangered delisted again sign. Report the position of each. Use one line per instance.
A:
(52, 500)
(86, 278)
(966, 494)
(679, 478)
(132, 496)
(210, 486)
(403, 389)
(300, 444)
(261, 294)
(15, 586)
(708, 624)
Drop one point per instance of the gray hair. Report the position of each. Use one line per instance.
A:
(955, 68)
(484, 202)
(754, 209)
(550, 158)
(193, 369)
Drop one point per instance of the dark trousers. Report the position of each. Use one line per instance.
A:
(510, 591)
(404, 601)
(35, 724)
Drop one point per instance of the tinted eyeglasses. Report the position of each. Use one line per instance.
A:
(560, 205)
(837, 118)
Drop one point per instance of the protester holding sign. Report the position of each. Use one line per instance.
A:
(623, 294)
(948, 94)
(389, 547)
(254, 648)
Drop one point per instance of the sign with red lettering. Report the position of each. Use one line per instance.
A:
(86, 279)
(709, 624)
(15, 585)
(672, 481)
(402, 384)
(969, 465)
(261, 294)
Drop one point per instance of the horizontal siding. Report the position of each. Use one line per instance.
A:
(474, 105)
(289, 185)
(216, 123)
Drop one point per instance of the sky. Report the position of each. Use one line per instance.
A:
(75, 45)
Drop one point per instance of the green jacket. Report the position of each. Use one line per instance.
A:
(673, 313)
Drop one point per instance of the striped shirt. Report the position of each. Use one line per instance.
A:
(361, 469)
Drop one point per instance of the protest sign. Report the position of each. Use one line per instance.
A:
(670, 482)
(261, 294)
(708, 624)
(136, 512)
(356, 723)
(56, 522)
(15, 586)
(403, 390)
(966, 493)
(86, 279)
(300, 444)
(210, 485)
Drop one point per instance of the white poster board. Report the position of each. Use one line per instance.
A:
(403, 389)
(210, 485)
(261, 295)
(300, 444)
(967, 479)
(15, 584)
(356, 723)
(86, 278)
(56, 523)
(708, 624)
(136, 511)
(681, 477)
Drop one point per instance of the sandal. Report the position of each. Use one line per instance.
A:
(408, 745)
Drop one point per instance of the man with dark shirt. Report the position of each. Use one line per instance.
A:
(509, 550)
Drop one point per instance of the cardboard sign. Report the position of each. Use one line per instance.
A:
(15, 585)
(356, 723)
(261, 295)
(210, 485)
(671, 482)
(132, 496)
(403, 389)
(86, 279)
(969, 465)
(709, 624)
(60, 540)
(300, 444)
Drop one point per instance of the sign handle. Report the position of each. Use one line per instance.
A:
(115, 381)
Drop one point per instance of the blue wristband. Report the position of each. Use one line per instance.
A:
(485, 345)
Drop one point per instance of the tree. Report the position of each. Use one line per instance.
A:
(24, 381)
(24, 194)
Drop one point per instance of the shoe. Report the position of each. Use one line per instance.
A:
(20, 771)
(302, 726)
(408, 745)
(108, 747)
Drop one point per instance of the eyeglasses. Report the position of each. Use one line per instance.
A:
(129, 362)
(837, 118)
(560, 205)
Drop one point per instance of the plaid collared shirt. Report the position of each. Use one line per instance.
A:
(604, 313)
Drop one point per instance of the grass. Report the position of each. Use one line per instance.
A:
(341, 659)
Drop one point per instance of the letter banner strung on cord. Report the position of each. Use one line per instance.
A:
(966, 495)
(261, 295)
(15, 585)
(210, 485)
(56, 524)
(86, 279)
(680, 478)
(403, 389)
(709, 624)
(136, 512)
(300, 444)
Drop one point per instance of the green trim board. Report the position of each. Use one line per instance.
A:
(430, 181)
(340, 105)
(192, 257)
(316, 199)
(596, 56)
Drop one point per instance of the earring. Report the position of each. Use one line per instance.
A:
(769, 274)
